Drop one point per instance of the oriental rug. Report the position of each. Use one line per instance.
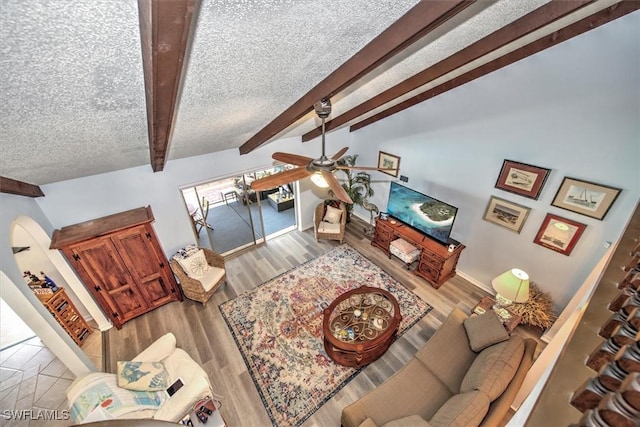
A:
(278, 329)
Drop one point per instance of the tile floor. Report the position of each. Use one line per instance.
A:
(33, 378)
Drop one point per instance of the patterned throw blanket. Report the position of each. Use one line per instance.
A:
(102, 390)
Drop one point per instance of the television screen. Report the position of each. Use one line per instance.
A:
(426, 214)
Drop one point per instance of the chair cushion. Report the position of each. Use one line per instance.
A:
(142, 376)
(484, 330)
(332, 215)
(211, 277)
(494, 368)
(462, 410)
(195, 265)
(329, 228)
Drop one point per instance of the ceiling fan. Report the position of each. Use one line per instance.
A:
(320, 170)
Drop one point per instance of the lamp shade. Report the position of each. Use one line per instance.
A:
(512, 285)
(319, 180)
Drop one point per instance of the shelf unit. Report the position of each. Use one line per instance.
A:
(63, 310)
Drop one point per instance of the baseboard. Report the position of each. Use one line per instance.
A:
(475, 282)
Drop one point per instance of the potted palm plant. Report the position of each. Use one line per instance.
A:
(357, 185)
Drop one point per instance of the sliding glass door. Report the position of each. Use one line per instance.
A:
(227, 215)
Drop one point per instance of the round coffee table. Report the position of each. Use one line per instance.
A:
(360, 325)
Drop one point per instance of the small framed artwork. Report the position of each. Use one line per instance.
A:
(389, 161)
(586, 198)
(559, 234)
(521, 178)
(506, 214)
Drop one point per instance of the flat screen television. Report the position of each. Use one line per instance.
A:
(424, 213)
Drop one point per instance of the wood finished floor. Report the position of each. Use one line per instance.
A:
(203, 333)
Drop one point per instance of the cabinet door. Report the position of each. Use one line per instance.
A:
(148, 267)
(108, 279)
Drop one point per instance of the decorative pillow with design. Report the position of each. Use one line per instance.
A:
(332, 215)
(195, 265)
(142, 376)
(485, 330)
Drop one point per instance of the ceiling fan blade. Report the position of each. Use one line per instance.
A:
(365, 168)
(292, 159)
(277, 179)
(339, 153)
(337, 189)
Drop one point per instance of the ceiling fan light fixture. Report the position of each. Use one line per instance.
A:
(319, 180)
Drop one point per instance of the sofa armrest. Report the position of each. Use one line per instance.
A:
(158, 350)
(500, 407)
(181, 403)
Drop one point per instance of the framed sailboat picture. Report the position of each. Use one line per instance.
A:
(584, 197)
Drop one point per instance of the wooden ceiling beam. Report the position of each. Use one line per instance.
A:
(530, 22)
(589, 23)
(12, 186)
(165, 32)
(412, 26)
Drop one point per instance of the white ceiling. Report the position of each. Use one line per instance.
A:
(73, 89)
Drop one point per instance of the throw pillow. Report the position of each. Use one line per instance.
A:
(195, 265)
(484, 330)
(142, 376)
(332, 215)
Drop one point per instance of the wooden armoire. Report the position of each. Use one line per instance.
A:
(121, 263)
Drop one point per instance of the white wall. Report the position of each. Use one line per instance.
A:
(78, 200)
(574, 109)
(17, 294)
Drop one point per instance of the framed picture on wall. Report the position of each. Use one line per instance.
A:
(559, 234)
(584, 197)
(521, 178)
(389, 161)
(506, 214)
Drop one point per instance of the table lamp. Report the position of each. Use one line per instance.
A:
(511, 286)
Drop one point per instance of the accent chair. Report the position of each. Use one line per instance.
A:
(330, 220)
(200, 272)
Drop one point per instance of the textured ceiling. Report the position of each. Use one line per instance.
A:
(73, 89)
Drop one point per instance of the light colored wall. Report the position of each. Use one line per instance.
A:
(78, 200)
(573, 108)
(16, 293)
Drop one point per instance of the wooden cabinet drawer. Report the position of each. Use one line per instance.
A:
(431, 259)
(429, 272)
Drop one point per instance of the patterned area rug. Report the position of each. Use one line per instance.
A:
(278, 329)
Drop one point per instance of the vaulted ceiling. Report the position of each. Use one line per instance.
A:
(92, 86)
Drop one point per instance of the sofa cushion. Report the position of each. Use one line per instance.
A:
(462, 410)
(368, 423)
(494, 368)
(485, 330)
(447, 353)
(413, 390)
(142, 376)
(410, 421)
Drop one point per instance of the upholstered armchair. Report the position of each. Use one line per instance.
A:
(330, 220)
(101, 396)
(200, 272)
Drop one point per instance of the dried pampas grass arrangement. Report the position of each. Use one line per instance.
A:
(538, 310)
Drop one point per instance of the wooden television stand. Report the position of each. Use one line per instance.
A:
(435, 264)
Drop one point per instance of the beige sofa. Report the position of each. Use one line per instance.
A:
(447, 383)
